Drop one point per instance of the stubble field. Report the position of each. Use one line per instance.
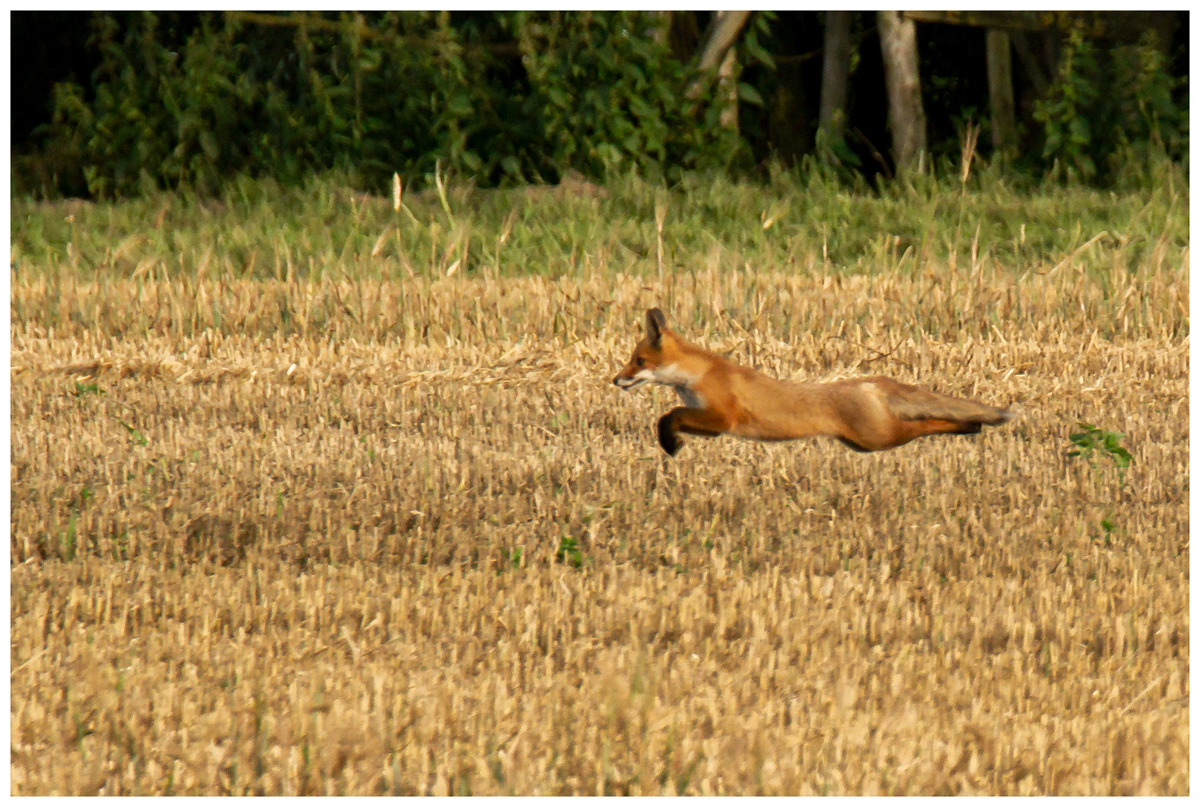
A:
(403, 535)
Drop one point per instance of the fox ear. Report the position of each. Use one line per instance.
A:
(656, 323)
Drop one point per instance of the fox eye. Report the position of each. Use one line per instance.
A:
(640, 361)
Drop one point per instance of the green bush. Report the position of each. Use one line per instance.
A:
(499, 98)
(1111, 117)
(611, 96)
(398, 91)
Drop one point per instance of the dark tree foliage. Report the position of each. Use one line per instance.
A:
(168, 99)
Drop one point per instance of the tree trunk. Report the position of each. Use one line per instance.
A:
(682, 35)
(906, 116)
(719, 50)
(729, 115)
(1000, 91)
(835, 76)
(788, 122)
(725, 29)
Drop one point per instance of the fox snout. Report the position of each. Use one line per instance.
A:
(630, 377)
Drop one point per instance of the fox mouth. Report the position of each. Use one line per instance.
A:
(628, 383)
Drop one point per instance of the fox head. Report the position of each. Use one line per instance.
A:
(648, 356)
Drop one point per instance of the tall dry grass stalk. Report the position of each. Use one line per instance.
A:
(406, 537)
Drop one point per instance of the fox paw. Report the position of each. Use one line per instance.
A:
(668, 438)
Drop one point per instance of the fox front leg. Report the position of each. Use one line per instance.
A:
(668, 436)
(703, 422)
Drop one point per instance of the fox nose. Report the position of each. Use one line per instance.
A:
(617, 381)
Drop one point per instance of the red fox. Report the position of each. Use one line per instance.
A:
(719, 397)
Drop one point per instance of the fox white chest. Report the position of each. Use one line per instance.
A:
(674, 376)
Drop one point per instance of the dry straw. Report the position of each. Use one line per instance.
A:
(405, 537)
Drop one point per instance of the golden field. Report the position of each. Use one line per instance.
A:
(405, 536)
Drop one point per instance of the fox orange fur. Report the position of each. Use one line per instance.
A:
(719, 397)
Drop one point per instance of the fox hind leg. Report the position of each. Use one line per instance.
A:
(936, 426)
(912, 429)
